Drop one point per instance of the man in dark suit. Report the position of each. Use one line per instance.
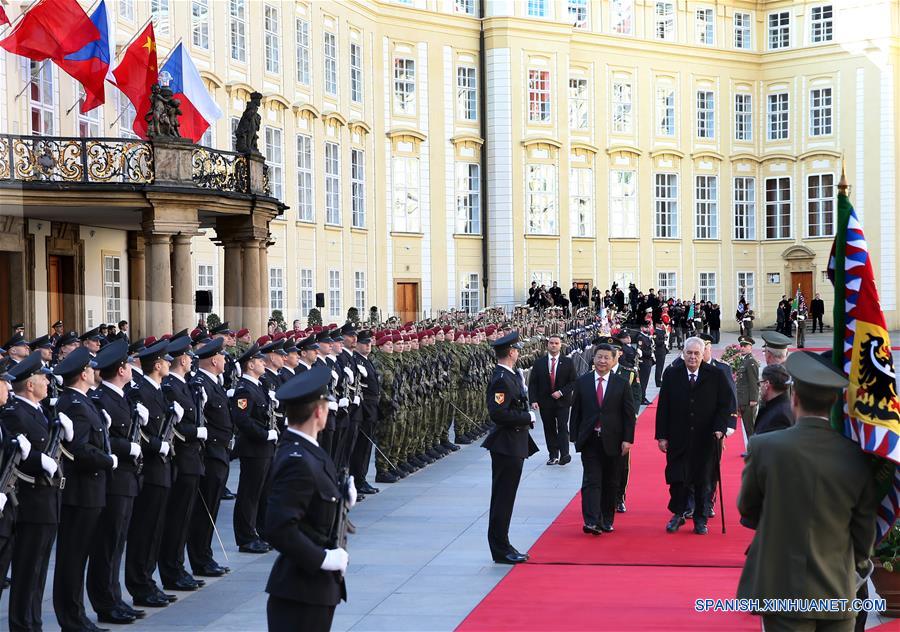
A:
(603, 419)
(775, 413)
(645, 358)
(550, 386)
(817, 310)
(694, 407)
(509, 443)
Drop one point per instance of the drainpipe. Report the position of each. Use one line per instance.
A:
(482, 115)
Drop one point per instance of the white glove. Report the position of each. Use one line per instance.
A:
(332, 406)
(58, 379)
(164, 448)
(362, 371)
(334, 375)
(351, 492)
(335, 560)
(356, 400)
(179, 410)
(24, 445)
(343, 402)
(53, 401)
(68, 427)
(108, 419)
(49, 465)
(2, 501)
(230, 393)
(143, 413)
(533, 416)
(203, 397)
(272, 397)
(115, 461)
(272, 436)
(134, 450)
(729, 432)
(202, 433)
(349, 373)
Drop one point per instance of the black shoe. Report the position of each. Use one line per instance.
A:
(151, 601)
(190, 578)
(462, 439)
(211, 570)
(134, 612)
(425, 458)
(450, 446)
(368, 489)
(396, 472)
(689, 514)
(228, 494)
(360, 496)
(563, 460)
(431, 454)
(552, 461)
(606, 528)
(620, 506)
(115, 615)
(674, 524)
(406, 467)
(166, 596)
(386, 477)
(700, 528)
(510, 558)
(592, 529)
(7, 582)
(646, 402)
(183, 584)
(90, 627)
(256, 546)
(525, 555)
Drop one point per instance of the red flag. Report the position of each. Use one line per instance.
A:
(136, 74)
(4, 19)
(51, 28)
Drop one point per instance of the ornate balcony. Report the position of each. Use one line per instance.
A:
(220, 170)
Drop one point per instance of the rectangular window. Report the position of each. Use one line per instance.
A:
(621, 106)
(334, 293)
(743, 35)
(777, 116)
(238, 29)
(579, 105)
(304, 178)
(665, 111)
(778, 208)
(537, 8)
(359, 292)
(126, 121)
(329, 43)
(666, 286)
(820, 112)
(332, 183)
(356, 76)
(469, 294)
(706, 290)
(159, 12)
(541, 204)
(405, 190)
(276, 289)
(306, 290)
(273, 39)
(665, 20)
(746, 287)
(705, 27)
(581, 202)
(706, 114)
(43, 104)
(358, 187)
(88, 124)
(743, 117)
(745, 208)
(274, 160)
(234, 124)
(208, 140)
(465, 6)
(205, 277)
(706, 209)
(112, 287)
(820, 205)
(466, 91)
(623, 213)
(539, 96)
(126, 10)
(468, 198)
(665, 202)
(404, 86)
(821, 24)
(578, 13)
(200, 24)
(622, 16)
(779, 30)
(303, 52)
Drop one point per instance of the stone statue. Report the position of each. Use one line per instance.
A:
(246, 136)
(162, 119)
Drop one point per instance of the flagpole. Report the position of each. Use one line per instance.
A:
(136, 34)
(79, 100)
(34, 74)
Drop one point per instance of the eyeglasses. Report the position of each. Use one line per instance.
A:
(761, 382)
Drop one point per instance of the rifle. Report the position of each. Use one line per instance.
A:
(10, 473)
(197, 392)
(135, 436)
(341, 521)
(55, 451)
(167, 432)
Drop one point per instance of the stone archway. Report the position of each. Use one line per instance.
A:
(799, 271)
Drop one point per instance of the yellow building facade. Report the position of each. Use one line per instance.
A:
(692, 147)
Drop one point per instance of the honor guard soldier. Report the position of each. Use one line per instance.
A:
(226, 333)
(211, 363)
(630, 375)
(371, 393)
(37, 515)
(747, 385)
(190, 431)
(7, 515)
(16, 349)
(509, 443)
(306, 514)
(775, 348)
(149, 515)
(91, 339)
(645, 358)
(122, 485)
(45, 346)
(65, 345)
(56, 333)
(251, 411)
(86, 465)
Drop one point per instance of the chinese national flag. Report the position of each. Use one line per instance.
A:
(3, 17)
(136, 74)
(50, 29)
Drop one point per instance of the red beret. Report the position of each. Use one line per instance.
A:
(263, 340)
(242, 332)
(150, 340)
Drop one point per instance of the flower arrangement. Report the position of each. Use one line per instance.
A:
(733, 357)
(888, 550)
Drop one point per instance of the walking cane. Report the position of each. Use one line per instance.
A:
(719, 476)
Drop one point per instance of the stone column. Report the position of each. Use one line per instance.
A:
(182, 281)
(253, 319)
(264, 281)
(232, 285)
(137, 287)
(159, 284)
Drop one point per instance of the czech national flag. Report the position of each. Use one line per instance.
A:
(198, 109)
(90, 66)
(51, 29)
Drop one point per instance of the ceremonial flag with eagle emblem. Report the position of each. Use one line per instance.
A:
(870, 413)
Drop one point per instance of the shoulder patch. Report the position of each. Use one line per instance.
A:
(500, 398)
(242, 403)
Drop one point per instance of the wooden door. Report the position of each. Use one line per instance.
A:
(804, 281)
(406, 301)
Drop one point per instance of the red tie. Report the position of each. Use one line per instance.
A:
(552, 375)
(599, 423)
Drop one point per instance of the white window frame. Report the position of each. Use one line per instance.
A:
(42, 86)
(160, 12)
(706, 286)
(820, 197)
(200, 24)
(821, 110)
(470, 294)
(305, 179)
(666, 119)
(89, 123)
(541, 192)
(664, 20)
(622, 95)
(468, 198)
(621, 18)
(581, 201)
(332, 183)
(275, 159)
(744, 207)
(126, 120)
(778, 221)
(746, 281)
(537, 8)
(359, 292)
(356, 72)
(334, 293)
(578, 15)
(276, 289)
(330, 62)
(778, 30)
(466, 7)
(272, 30)
(358, 187)
(206, 276)
(743, 117)
(705, 26)
(706, 207)
(237, 30)
(540, 106)
(304, 76)
(466, 93)
(665, 205)
(821, 24)
(778, 122)
(667, 284)
(112, 287)
(743, 30)
(406, 201)
(307, 291)
(623, 204)
(404, 86)
(579, 103)
(706, 114)
(126, 10)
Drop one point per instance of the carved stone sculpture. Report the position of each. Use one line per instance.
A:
(246, 136)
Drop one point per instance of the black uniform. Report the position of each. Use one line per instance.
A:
(371, 392)
(83, 498)
(353, 417)
(8, 516)
(645, 362)
(303, 505)
(660, 350)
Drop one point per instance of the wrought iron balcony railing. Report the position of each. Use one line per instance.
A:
(220, 170)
